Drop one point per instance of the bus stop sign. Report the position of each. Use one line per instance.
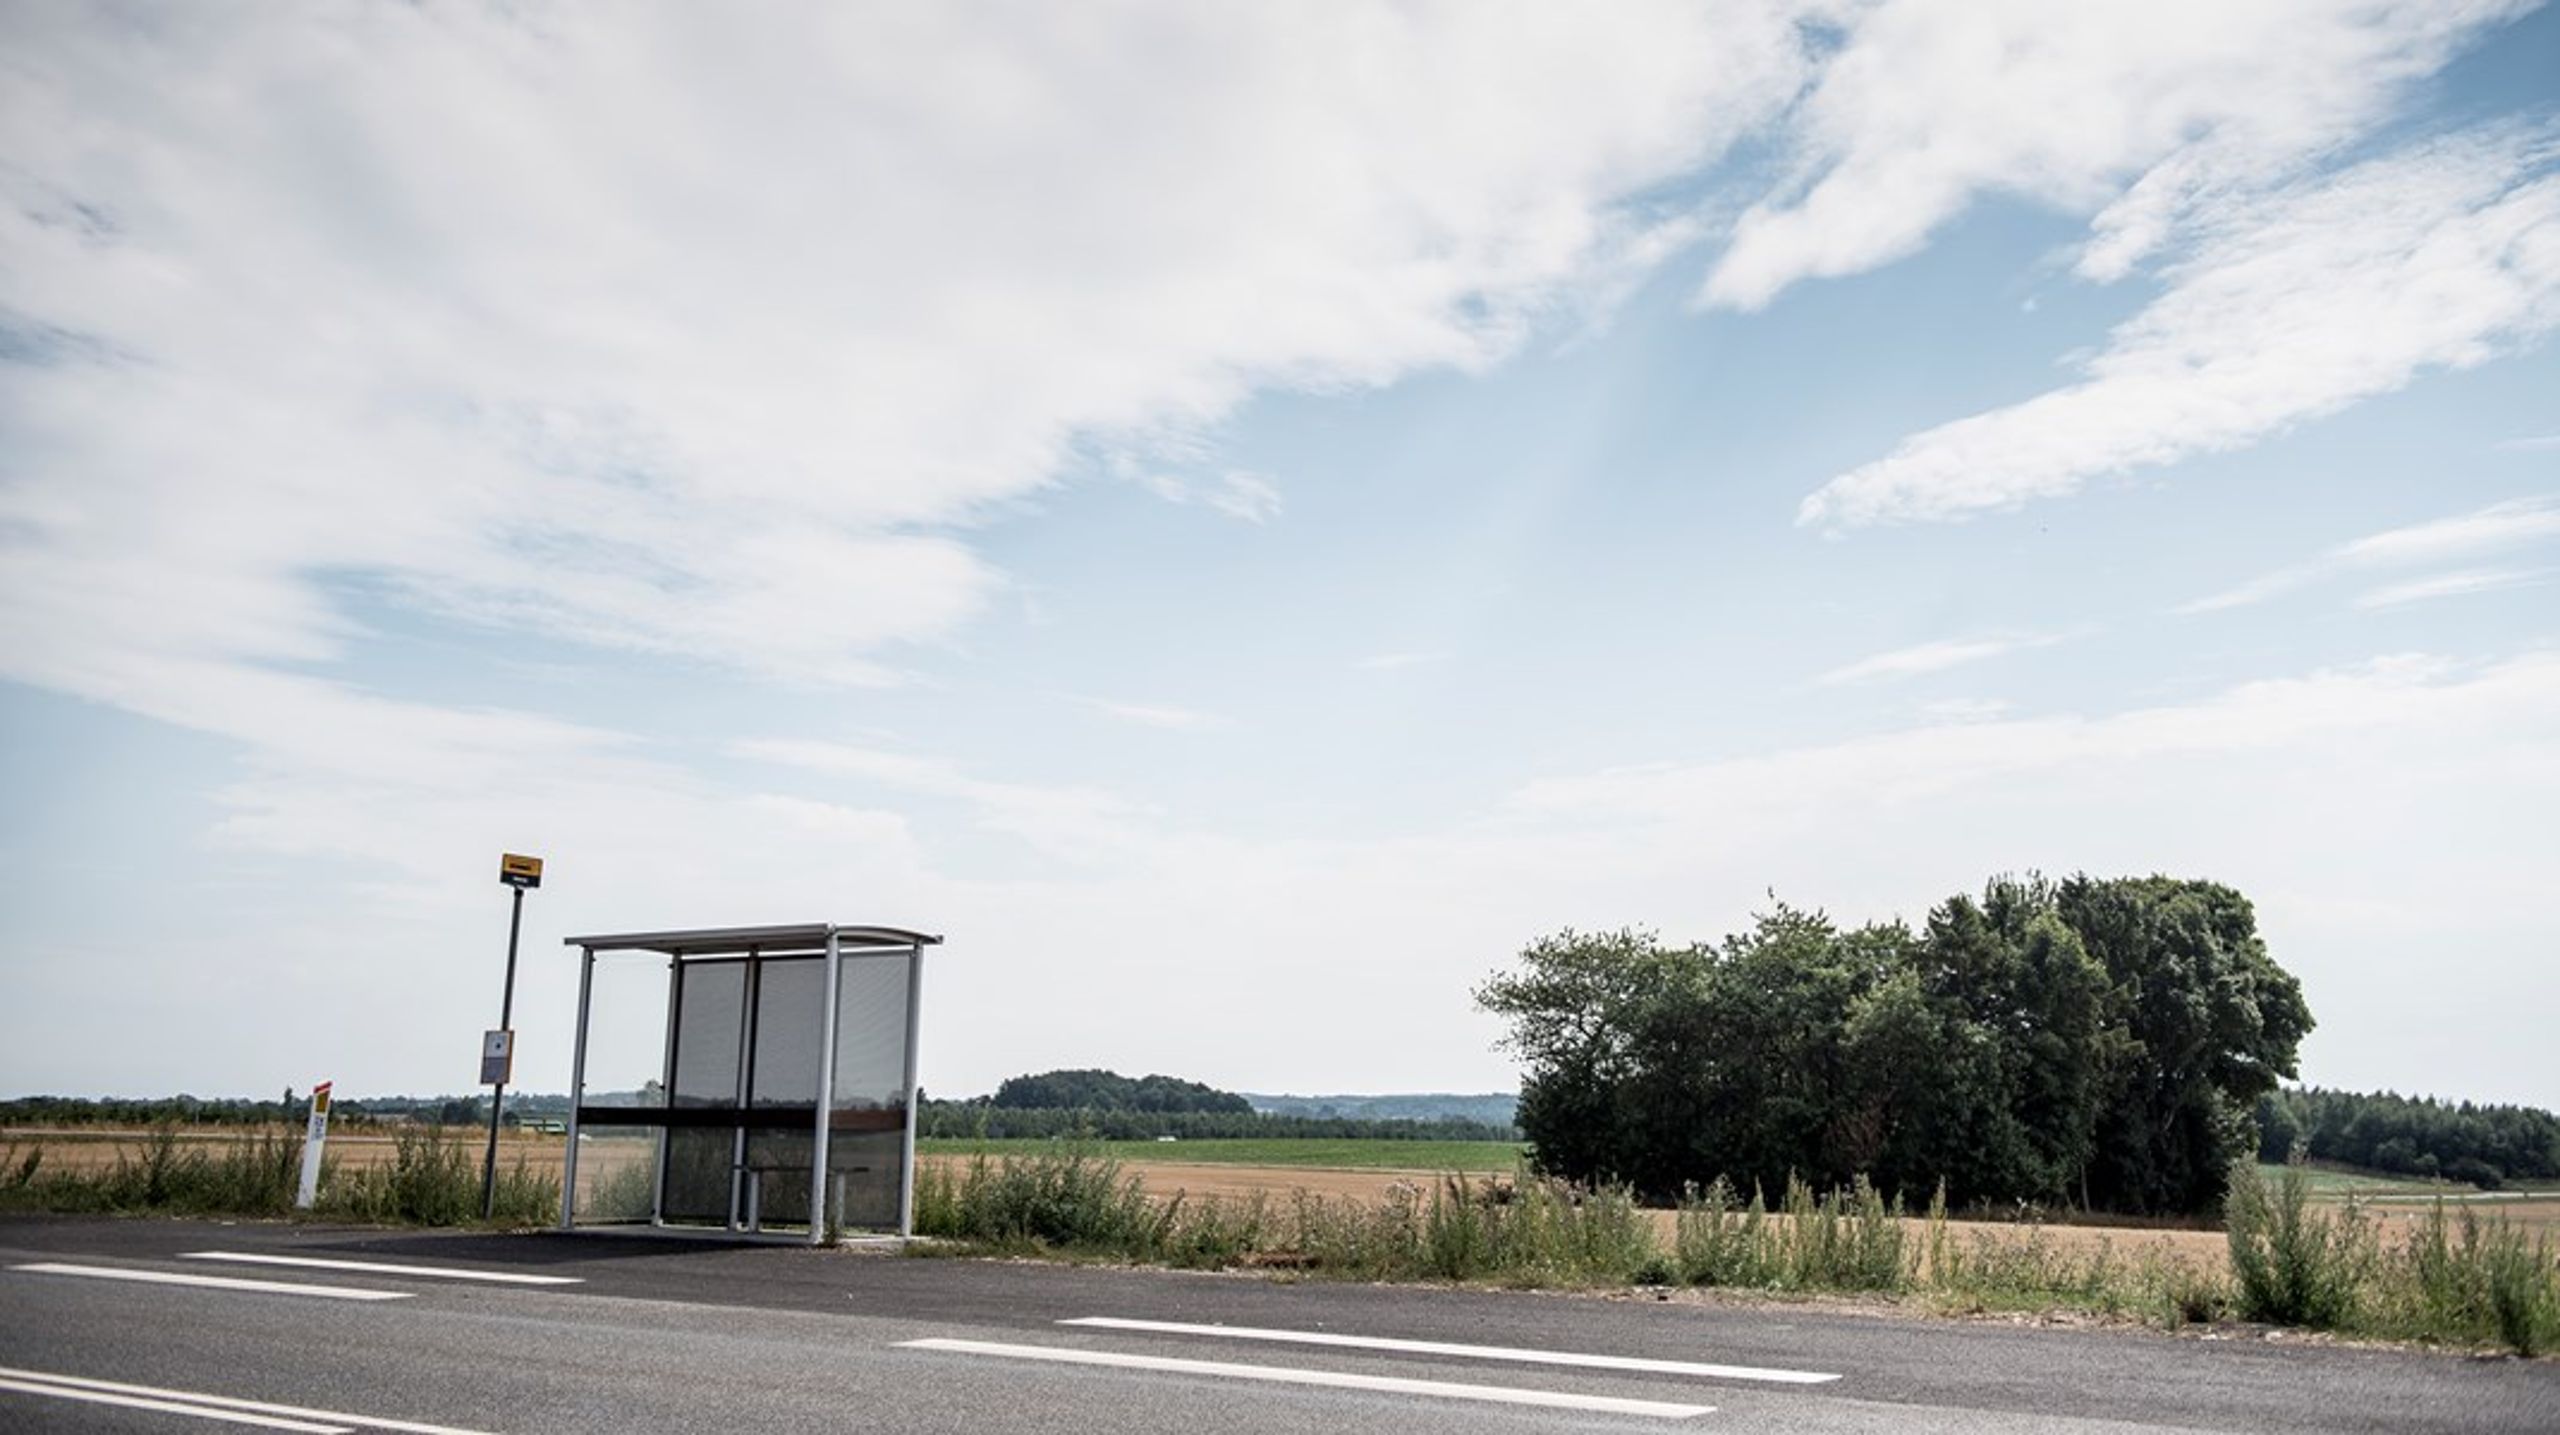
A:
(497, 1057)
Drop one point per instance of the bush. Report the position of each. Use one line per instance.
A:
(255, 1177)
(2468, 1280)
(1849, 1240)
(2294, 1266)
(2475, 1171)
(433, 1181)
(2524, 1291)
(1719, 1241)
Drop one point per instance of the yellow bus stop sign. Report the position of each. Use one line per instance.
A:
(519, 871)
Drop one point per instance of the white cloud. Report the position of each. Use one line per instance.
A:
(2134, 112)
(2498, 526)
(1066, 821)
(1925, 763)
(655, 331)
(1248, 496)
(1933, 657)
(2453, 585)
(2534, 443)
(2289, 306)
(2513, 523)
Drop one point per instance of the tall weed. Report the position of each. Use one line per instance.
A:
(2293, 1265)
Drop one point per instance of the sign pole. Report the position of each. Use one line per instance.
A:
(497, 1049)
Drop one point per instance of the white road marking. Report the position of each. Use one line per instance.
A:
(1465, 1352)
(230, 1403)
(1335, 1379)
(450, 1273)
(228, 1283)
(136, 1402)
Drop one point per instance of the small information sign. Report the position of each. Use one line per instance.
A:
(519, 871)
(497, 1057)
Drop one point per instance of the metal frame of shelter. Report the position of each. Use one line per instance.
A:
(707, 1141)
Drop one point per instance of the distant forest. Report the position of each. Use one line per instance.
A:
(2487, 1146)
(1494, 1108)
(290, 1108)
(1094, 1090)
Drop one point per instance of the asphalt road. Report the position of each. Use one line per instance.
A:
(644, 1335)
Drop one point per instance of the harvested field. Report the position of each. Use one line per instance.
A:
(95, 1150)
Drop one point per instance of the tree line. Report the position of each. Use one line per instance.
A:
(1096, 1090)
(150, 1111)
(2091, 1043)
(2487, 1146)
(290, 1109)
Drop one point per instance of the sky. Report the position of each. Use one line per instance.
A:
(1243, 517)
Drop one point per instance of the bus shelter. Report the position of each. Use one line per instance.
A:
(780, 1102)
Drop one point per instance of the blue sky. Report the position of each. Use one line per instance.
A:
(1244, 520)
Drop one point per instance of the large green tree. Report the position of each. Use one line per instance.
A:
(2089, 1042)
(2205, 1024)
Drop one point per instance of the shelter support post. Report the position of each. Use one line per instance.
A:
(907, 1147)
(819, 1215)
(577, 1090)
(666, 1089)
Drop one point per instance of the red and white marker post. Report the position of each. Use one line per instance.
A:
(313, 1138)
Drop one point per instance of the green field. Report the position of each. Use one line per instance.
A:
(2336, 1183)
(1497, 1156)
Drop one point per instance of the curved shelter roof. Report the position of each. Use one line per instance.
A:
(790, 940)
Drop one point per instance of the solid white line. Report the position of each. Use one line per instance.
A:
(228, 1283)
(226, 1402)
(135, 1402)
(1466, 1352)
(450, 1273)
(1339, 1380)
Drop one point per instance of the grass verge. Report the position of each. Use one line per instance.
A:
(2461, 1281)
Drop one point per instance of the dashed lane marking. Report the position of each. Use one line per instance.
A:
(229, 1283)
(1332, 1379)
(448, 1273)
(218, 1407)
(1573, 1359)
(171, 1407)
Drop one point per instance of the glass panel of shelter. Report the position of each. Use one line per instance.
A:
(866, 1145)
(745, 1044)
